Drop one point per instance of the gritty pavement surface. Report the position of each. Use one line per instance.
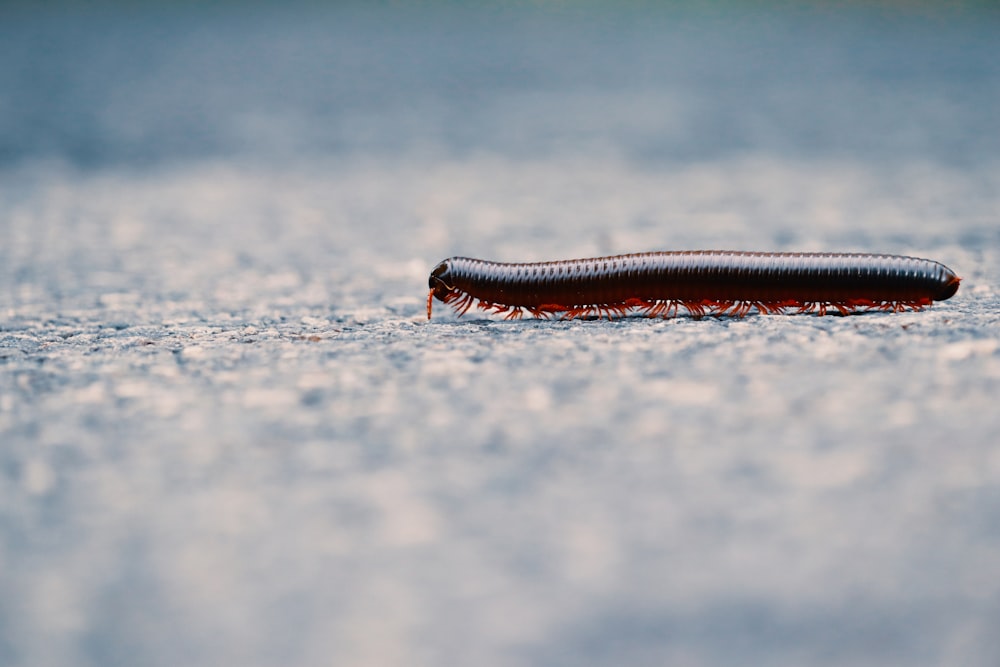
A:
(229, 435)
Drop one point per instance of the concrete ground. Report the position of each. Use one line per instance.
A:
(229, 435)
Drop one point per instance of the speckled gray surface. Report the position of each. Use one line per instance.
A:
(230, 436)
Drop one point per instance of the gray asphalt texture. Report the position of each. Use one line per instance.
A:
(229, 435)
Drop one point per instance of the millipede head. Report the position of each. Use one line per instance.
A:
(438, 283)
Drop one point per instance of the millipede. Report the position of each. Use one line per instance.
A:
(698, 282)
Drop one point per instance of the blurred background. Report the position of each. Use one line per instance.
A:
(142, 84)
(229, 436)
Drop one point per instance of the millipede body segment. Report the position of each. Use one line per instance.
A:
(701, 282)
